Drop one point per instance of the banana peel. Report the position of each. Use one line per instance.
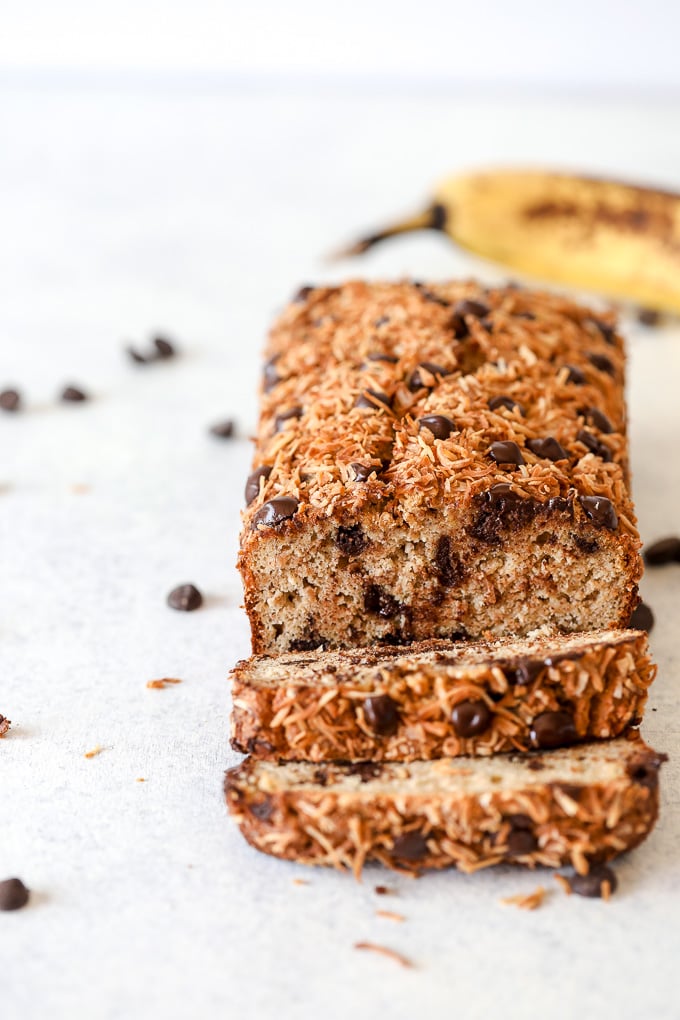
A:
(618, 239)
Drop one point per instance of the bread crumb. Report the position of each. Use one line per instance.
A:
(140, 780)
(157, 685)
(300, 881)
(390, 915)
(384, 951)
(526, 901)
(564, 882)
(94, 752)
(4, 725)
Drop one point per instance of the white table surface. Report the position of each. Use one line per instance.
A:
(126, 211)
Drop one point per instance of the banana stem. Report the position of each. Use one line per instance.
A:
(429, 219)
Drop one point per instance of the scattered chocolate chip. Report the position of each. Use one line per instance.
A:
(262, 809)
(600, 510)
(666, 550)
(308, 644)
(138, 357)
(594, 445)
(553, 729)
(521, 838)
(592, 884)
(523, 671)
(649, 317)
(417, 380)
(253, 482)
(507, 402)
(468, 306)
(411, 846)
(502, 495)
(10, 400)
(164, 349)
(548, 448)
(380, 602)
(382, 714)
(439, 425)
(575, 375)
(597, 419)
(284, 416)
(602, 363)
(72, 394)
(642, 618)
(274, 512)
(302, 294)
(351, 541)
(373, 399)
(13, 894)
(223, 429)
(448, 568)
(471, 718)
(506, 453)
(389, 359)
(383, 890)
(321, 775)
(362, 472)
(607, 332)
(185, 598)
(270, 375)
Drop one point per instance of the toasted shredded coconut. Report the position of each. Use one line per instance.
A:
(384, 951)
(526, 901)
(157, 685)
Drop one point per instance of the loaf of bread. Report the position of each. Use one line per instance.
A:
(438, 461)
(577, 805)
(438, 699)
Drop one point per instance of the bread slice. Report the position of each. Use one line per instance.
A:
(578, 805)
(434, 461)
(439, 699)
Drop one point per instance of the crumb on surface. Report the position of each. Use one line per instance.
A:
(94, 752)
(384, 890)
(526, 901)
(390, 915)
(4, 725)
(563, 881)
(140, 780)
(301, 881)
(385, 951)
(158, 685)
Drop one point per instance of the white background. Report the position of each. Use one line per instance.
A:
(152, 178)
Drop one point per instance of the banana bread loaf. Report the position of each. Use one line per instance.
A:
(438, 699)
(577, 804)
(438, 460)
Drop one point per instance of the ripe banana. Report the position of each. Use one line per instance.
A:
(619, 239)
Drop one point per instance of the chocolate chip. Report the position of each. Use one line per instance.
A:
(607, 332)
(275, 511)
(586, 545)
(262, 809)
(439, 425)
(307, 644)
(381, 714)
(468, 306)
(380, 602)
(253, 482)
(13, 894)
(389, 359)
(592, 884)
(382, 321)
(649, 317)
(72, 394)
(411, 846)
(602, 363)
(645, 771)
(597, 419)
(164, 349)
(302, 294)
(642, 618)
(666, 550)
(366, 770)
(575, 375)
(373, 399)
(434, 299)
(223, 429)
(185, 598)
(270, 375)
(594, 445)
(351, 541)
(417, 380)
(523, 672)
(139, 359)
(284, 416)
(506, 402)
(506, 453)
(382, 890)
(502, 495)
(362, 472)
(600, 510)
(448, 567)
(548, 448)
(553, 729)
(10, 400)
(471, 718)
(521, 839)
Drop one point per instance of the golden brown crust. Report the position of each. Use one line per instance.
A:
(592, 806)
(398, 704)
(561, 362)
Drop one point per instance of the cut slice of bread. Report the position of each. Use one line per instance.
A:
(577, 805)
(441, 699)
